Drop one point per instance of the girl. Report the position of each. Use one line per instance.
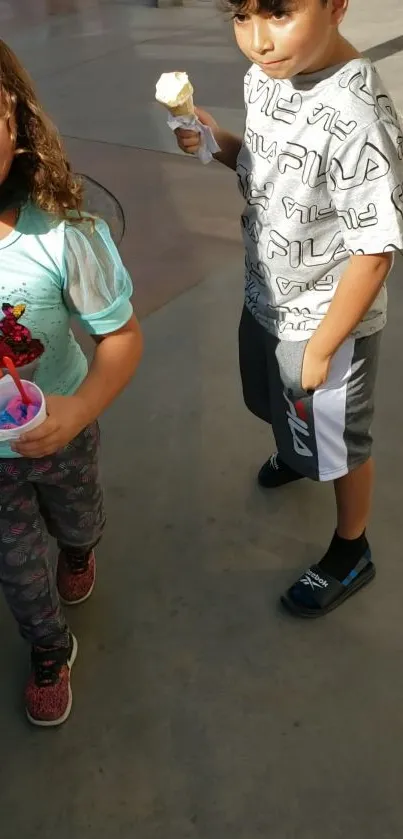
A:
(55, 264)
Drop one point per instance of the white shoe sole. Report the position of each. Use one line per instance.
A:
(61, 720)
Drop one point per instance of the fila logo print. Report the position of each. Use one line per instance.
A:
(298, 427)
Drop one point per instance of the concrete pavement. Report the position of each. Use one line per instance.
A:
(202, 711)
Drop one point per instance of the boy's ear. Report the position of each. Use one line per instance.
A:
(339, 8)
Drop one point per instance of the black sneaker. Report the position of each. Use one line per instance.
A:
(275, 473)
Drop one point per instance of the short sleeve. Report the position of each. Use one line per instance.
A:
(96, 286)
(365, 180)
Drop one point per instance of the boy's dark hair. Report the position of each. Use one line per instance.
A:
(275, 7)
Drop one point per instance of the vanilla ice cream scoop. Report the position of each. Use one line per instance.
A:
(175, 91)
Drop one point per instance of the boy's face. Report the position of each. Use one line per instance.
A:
(298, 38)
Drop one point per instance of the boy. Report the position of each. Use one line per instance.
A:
(321, 170)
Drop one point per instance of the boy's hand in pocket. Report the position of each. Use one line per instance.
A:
(315, 369)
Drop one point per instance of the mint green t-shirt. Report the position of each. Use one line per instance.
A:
(51, 272)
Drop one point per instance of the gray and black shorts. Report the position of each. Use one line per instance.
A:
(323, 435)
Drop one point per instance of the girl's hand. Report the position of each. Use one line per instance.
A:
(189, 141)
(115, 359)
(66, 418)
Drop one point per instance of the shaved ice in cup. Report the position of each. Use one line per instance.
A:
(16, 418)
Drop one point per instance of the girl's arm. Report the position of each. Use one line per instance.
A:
(115, 361)
(116, 358)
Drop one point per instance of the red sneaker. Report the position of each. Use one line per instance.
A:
(75, 577)
(48, 696)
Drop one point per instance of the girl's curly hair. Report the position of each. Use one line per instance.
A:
(40, 165)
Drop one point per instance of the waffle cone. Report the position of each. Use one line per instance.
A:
(186, 109)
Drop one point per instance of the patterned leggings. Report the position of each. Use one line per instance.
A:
(61, 496)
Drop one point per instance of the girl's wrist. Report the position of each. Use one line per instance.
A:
(85, 415)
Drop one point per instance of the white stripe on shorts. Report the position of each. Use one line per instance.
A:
(329, 411)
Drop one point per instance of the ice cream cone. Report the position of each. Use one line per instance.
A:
(175, 92)
(186, 109)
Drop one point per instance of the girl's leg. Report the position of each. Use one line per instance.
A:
(29, 585)
(26, 574)
(71, 501)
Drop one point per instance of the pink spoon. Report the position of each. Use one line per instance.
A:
(16, 379)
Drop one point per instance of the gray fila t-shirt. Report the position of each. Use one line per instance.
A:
(321, 169)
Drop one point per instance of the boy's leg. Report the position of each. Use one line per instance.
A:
(71, 501)
(253, 366)
(353, 499)
(256, 374)
(353, 502)
(326, 436)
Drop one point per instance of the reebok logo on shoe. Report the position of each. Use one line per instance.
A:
(313, 580)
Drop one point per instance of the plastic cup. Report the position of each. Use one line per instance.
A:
(8, 391)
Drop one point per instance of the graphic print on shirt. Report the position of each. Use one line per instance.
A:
(331, 121)
(354, 219)
(381, 103)
(309, 252)
(310, 163)
(16, 340)
(247, 83)
(397, 198)
(282, 108)
(253, 195)
(290, 318)
(370, 164)
(321, 184)
(252, 227)
(259, 144)
(286, 285)
(307, 214)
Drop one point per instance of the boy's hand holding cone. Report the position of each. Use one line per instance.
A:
(175, 92)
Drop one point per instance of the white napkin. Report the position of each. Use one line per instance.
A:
(208, 145)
